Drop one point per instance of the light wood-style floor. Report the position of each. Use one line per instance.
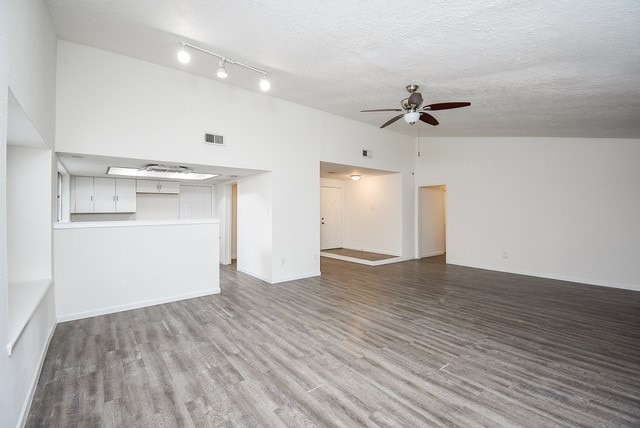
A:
(410, 344)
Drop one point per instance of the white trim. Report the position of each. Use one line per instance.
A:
(133, 223)
(26, 406)
(435, 253)
(296, 277)
(370, 250)
(549, 276)
(137, 305)
(279, 280)
(363, 261)
(255, 275)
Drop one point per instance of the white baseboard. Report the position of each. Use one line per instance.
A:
(279, 280)
(255, 275)
(24, 414)
(136, 305)
(549, 276)
(295, 277)
(436, 253)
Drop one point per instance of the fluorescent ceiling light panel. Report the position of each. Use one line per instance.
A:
(135, 172)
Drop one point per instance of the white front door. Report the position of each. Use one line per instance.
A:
(331, 217)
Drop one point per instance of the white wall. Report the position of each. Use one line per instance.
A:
(373, 214)
(113, 105)
(560, 208)
(28, 213)
(27, 66)
(102, 270)
(221, 196)
(157, 207)
(255, 233)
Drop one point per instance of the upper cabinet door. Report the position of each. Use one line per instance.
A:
(154, 186)
(146, 186)
(168, 187)
(125, 195)
(104, 190)
(84, 194)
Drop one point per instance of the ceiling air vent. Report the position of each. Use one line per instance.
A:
(216, 140)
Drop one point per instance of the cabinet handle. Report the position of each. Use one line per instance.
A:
(91, 198)
(117, 198)
(114, 199)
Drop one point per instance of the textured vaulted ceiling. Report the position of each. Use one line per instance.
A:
(530, 68)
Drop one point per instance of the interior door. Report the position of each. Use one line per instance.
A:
(331, 217)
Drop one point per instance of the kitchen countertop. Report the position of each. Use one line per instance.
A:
(132, 223)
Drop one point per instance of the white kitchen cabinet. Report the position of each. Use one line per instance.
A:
(155, 186)
(125, 195)
(104, 195)
(84, 195)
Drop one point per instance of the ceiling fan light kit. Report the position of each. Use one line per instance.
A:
(412, 111)
(184, 57)
(412, 117)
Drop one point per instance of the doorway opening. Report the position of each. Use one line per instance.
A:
(360, 214)
(432, 224)
(229, 224)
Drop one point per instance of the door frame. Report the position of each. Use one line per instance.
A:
(225, 253)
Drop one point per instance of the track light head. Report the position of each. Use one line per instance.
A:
(183, 56)
(222, 72)
(264, 84)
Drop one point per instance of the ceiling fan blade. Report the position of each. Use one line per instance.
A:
(445, 106)
(382, 109)
(390, 121)
(427, 118)
(416, 99)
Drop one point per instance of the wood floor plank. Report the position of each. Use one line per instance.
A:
(416, 343)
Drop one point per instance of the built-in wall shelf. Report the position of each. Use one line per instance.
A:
(24, 299)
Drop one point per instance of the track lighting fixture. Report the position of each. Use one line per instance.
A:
(184, 57)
